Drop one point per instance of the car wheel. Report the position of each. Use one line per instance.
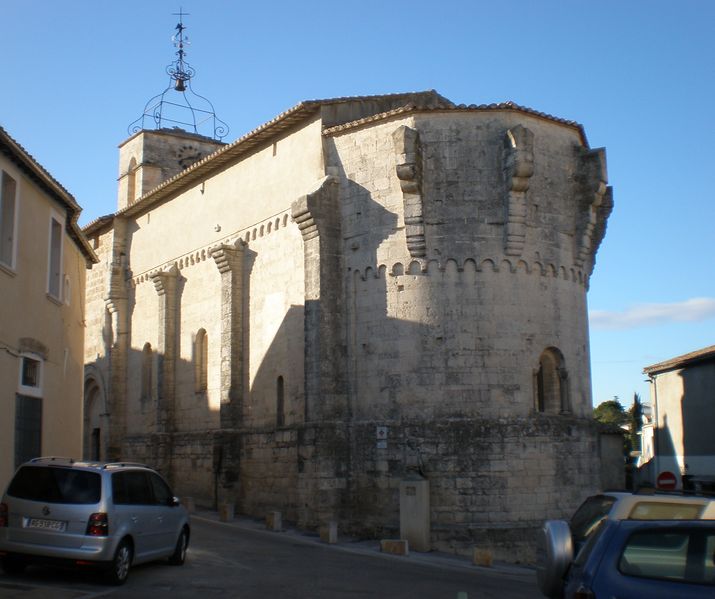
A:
(12, 565)
(119, 568)
(182, 543)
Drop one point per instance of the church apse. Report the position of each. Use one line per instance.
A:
(460, 273)
(418, 306)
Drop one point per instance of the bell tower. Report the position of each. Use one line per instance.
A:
(177, 128)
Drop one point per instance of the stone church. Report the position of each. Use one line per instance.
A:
(357, 291)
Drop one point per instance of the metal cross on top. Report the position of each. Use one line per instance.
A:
(180, 73)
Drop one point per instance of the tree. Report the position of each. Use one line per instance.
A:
(635, 417)
(611, 412)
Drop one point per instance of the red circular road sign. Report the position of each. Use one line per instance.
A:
(666, 481)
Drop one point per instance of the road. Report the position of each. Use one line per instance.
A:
(227, 560)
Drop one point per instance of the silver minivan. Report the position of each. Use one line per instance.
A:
(111, 515)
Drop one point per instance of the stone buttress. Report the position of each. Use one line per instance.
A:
(361, 291)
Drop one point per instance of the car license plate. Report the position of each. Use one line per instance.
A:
(56, 525)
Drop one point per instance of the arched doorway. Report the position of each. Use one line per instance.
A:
(95, 413)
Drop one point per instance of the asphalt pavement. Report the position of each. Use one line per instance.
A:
(243, 559)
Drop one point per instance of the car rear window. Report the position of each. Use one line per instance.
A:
(56, 485)
(655, 510)
(681, 555)
(591, 512)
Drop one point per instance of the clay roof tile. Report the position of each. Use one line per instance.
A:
(706, 353)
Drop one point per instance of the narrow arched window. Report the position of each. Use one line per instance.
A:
(280, 402)
(551, 383)
(147, 363)
(131, 181)
(201, 360)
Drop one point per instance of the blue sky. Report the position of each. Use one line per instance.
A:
(637, 74)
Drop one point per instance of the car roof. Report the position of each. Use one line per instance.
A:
(633, 524)
(617, 494)
(658, 496)
(64, 462)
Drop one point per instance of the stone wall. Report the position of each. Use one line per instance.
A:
(462, 313)
(488, 477)
(420, 274)
(148, 158)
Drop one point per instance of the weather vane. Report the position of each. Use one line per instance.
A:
(179, 70)
(190, 111)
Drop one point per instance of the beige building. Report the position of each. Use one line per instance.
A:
(682, 395)
(358, 290)
(43, 261)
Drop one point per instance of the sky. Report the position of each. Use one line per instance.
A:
(637, 74)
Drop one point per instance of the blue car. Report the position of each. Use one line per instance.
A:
(634, 559)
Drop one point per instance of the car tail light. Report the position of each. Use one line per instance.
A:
(3, 515)
(583, 593)
(98, 525)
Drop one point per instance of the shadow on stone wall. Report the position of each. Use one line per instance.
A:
(698, 420)
(404, 400)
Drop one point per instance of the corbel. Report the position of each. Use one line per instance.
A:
(518, 167)
(408, 154)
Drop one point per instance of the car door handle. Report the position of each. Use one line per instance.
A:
(135, 519)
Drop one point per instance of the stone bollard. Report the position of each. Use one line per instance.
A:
(189, 504)
(415, 522)
(274, 521)
(225, 512)
(482, 557)
(329, 533)
(395, 546)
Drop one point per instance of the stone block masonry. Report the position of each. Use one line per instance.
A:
(360, 290)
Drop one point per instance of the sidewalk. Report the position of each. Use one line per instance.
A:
(433, 559)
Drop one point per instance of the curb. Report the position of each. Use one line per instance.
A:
(371, 548)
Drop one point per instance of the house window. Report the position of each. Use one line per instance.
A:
(30, 375)
(201, 358)
(28, 409)
(280, 402)
(8, 189)
(147, 364)
(551, 383)
(55, 259)
(28, 428)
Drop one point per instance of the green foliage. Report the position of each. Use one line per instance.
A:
(635, 414)
(611, 412)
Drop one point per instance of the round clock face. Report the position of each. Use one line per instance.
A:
(187, 155)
